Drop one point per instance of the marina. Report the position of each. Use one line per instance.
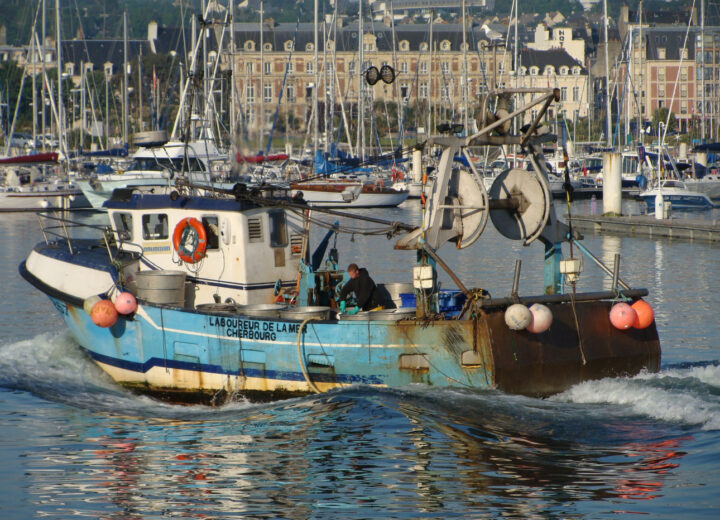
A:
(375, 262)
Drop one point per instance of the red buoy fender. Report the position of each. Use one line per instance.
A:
(190, 240)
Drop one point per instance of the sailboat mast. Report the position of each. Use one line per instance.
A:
(361, 61)
(430, 75)
(464, 86)
(702, 68)
(641, 134)
(34, 90)
(316, 79)
(233, 101)
(261, 89)
(607, 79)
(125, 80)
(44, 87)
(61, 115)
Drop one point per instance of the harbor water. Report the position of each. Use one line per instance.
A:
(75, 445)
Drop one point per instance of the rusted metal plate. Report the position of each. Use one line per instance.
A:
(550, 362)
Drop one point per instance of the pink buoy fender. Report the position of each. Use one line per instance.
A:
(622, 316)
(125, 303)
(190, 240)
(645, 314)
(541, 318)
(104, 314)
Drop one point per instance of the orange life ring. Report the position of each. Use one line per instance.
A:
(190, 232)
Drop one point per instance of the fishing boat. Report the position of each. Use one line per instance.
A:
(196, 298)
(678, 194)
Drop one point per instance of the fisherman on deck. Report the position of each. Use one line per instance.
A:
(362, 285)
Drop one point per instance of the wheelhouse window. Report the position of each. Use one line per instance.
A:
(212, 230)
(123, 226)
(155, 226)
(278, 229)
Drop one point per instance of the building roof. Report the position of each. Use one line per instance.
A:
(672, 39)
(553, 57)
(101, 51)
(347, 36)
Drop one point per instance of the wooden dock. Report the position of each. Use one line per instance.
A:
(649, 226)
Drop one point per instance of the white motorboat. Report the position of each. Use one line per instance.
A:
(155, 166)
(342, 193)
(678, 194)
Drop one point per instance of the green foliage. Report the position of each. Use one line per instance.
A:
(661, 115)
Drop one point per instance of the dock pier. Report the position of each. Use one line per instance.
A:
(649, 226)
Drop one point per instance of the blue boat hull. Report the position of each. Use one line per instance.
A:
(679, 202)
(185, 355)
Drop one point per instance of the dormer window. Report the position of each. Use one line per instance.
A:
(249, 45)
(534, 71)
(563, 71)
(423, 46)
(523, 71)
(445, 45)
(549, 70)
(267, 47)
(576, 71)
(288, 46)
(309, 47)
(404, 45)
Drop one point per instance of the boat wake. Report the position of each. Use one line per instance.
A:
(52, 367)
(687, 393)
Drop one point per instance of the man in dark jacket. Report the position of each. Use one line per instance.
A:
(362, 285)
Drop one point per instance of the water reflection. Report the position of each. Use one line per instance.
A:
(358, 452)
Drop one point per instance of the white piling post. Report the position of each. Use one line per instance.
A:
(417, 165)
(612, 183)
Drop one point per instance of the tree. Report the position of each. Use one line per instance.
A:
(661, 116)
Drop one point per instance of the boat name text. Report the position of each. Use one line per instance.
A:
(251, 329)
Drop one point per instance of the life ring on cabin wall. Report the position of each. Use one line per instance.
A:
(190, 240)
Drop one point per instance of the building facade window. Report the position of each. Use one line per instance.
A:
(267, 92)
(423, 91)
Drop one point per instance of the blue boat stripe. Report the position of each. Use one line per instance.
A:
(215, 369)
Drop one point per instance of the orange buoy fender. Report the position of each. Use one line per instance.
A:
(104, 314)
(645, 314)
(190, 240)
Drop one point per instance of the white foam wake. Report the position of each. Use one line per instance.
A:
(650, 395)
